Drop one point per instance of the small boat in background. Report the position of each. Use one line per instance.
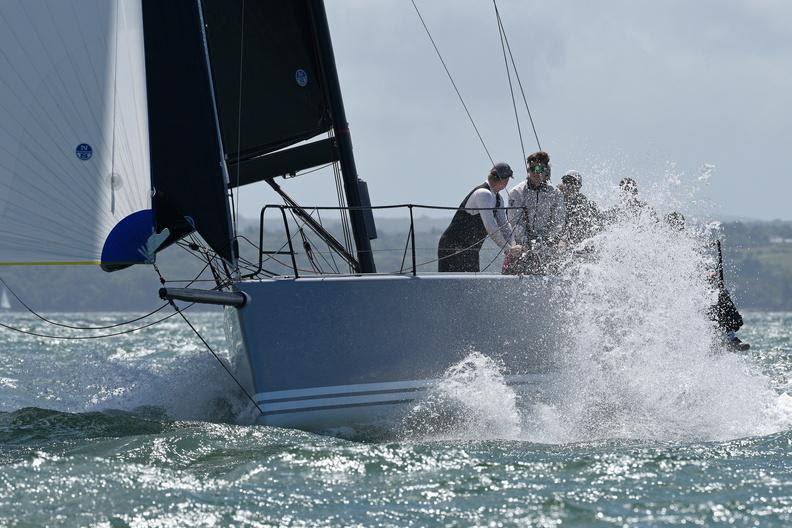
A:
(5, 303)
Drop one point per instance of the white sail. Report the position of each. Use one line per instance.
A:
(74, 154)
(5, 304)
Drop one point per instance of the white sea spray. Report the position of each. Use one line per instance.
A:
(643, 359)
(471, 401)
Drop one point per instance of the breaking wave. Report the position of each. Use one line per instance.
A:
(641, 358)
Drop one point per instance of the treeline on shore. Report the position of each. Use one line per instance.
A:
(757, 256)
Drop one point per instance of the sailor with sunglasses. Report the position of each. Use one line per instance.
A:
(537, 212)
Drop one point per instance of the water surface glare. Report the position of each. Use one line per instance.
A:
(146, 430)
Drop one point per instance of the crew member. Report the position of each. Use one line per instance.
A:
(537, 212)
(582, 215)
(630, 206)
(480, 214)
(724, 312)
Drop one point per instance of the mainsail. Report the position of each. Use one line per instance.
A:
(269, 85)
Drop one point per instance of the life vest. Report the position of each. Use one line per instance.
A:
(461, 241)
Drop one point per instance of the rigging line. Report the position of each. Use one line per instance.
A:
(341, 203)
(222, 364)
(106, 327)
(63, 325)
(309, 249)
(248, 262)
(511, 86)
(303, 173)
(461, 100)
(517, 74)
(406, 245)
(252, 266)
(82, 338)
(332, 256)
(306, 245)
(309, 254)
(343, 213)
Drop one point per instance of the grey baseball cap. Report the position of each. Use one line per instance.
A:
(502, 171)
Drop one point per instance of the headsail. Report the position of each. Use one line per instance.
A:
(74, 158)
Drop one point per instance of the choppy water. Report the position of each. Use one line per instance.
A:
(647, 422)
(145, 430)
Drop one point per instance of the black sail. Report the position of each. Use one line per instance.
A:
(186, 156)
(268, 79)
(229, 82)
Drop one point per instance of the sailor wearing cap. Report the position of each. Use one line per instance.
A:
(582, 215)
(479, 215)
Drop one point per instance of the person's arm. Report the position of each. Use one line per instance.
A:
(506, 228)
(486, 200)
(516, 215)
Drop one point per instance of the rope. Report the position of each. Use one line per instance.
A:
(516, 73)
(343, 212)
(222, 364)
(511, 86)
(105, 327)
(329, 250)
(64, 325)
(461, 100)
(75, 338)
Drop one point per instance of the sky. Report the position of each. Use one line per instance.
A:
(693, 99)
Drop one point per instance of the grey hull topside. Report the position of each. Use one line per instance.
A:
(338, 331)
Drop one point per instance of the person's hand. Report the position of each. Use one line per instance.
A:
(515, 251)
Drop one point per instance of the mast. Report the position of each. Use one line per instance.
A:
(343, 138)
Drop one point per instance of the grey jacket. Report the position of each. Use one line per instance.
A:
(541, 215)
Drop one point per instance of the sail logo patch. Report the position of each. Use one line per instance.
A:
(301, 77)
(84, 151)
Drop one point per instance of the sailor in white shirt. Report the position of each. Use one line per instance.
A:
(480, 214)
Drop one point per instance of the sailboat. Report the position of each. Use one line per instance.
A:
(5, 304)
(127, 125)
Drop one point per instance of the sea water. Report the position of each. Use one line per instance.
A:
(146, 430)
(648, 421)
